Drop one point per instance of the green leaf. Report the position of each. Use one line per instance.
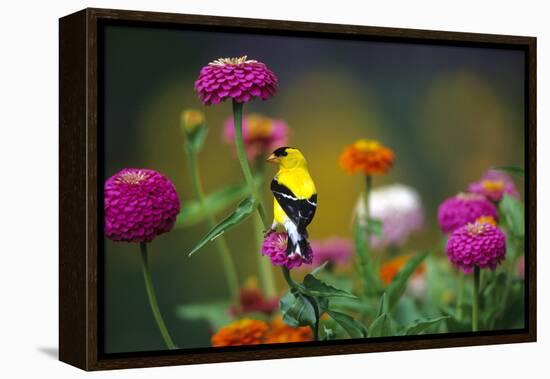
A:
(366, 267)
(510, 169)
(454, 325)
(514, 215)
(297, 310)
(375, 226)
(215, 313)
(319, 288)
(319, 268)
(383, 305)
(245, 209)
(353, 306)
(382, 326)
(192, 212)
(399, 283)
(420, 325)
(352, 327)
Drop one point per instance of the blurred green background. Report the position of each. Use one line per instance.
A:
(449, 113)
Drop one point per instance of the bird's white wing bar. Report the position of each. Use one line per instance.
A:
(299, 211)
(286, 195)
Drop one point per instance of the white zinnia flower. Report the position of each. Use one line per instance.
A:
(399, 208)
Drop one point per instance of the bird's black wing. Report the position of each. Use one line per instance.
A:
(300, 211)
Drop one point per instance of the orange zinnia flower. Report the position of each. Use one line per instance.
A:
(281, 332)
(392, 267)
(367, 156)
(486, 220)
(241, 332)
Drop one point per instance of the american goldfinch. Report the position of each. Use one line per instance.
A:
(295, 199)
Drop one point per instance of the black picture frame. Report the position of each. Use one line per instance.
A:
(81, 188)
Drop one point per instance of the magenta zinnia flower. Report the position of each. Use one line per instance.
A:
(235, 78)
(139, 205)
(481, 245)
(337, 251)
(462, 209)
(274, 246)
(493, 185)
(261, 134)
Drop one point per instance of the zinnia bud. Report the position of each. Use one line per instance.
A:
(191, 120)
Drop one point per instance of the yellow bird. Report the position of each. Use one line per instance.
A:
(295, 199)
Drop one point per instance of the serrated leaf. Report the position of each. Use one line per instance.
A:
(215, 313)
(352, 327)
(510, 169)
(399, 283)
(382, 326)
(297, 310)
(420, 325)
(514, 215)
(243, 211)
(319, 288)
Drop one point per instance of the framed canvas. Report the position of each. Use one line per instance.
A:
(240, 189)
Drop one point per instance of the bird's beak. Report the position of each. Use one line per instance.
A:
(273, 159)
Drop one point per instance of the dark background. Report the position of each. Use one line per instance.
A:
(449, 113)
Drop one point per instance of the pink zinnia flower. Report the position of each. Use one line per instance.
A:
(235, 78)
(139, 204)
(261, 134)
(274, 246)
(337, 251)
(481, 245)
(493, 185)
(462, 209)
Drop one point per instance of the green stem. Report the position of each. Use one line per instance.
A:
(267, 279)
(243, 160)
(460, 297)
(153, 299)
(475, 301)
(292, 284)
(260, 220)
(363, 259)
(220, 242)
(368, 188)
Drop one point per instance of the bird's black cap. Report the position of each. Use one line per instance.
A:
(281, 151)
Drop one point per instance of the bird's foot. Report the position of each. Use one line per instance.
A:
(268, 232)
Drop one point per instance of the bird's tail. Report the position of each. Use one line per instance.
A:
(298, 244)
